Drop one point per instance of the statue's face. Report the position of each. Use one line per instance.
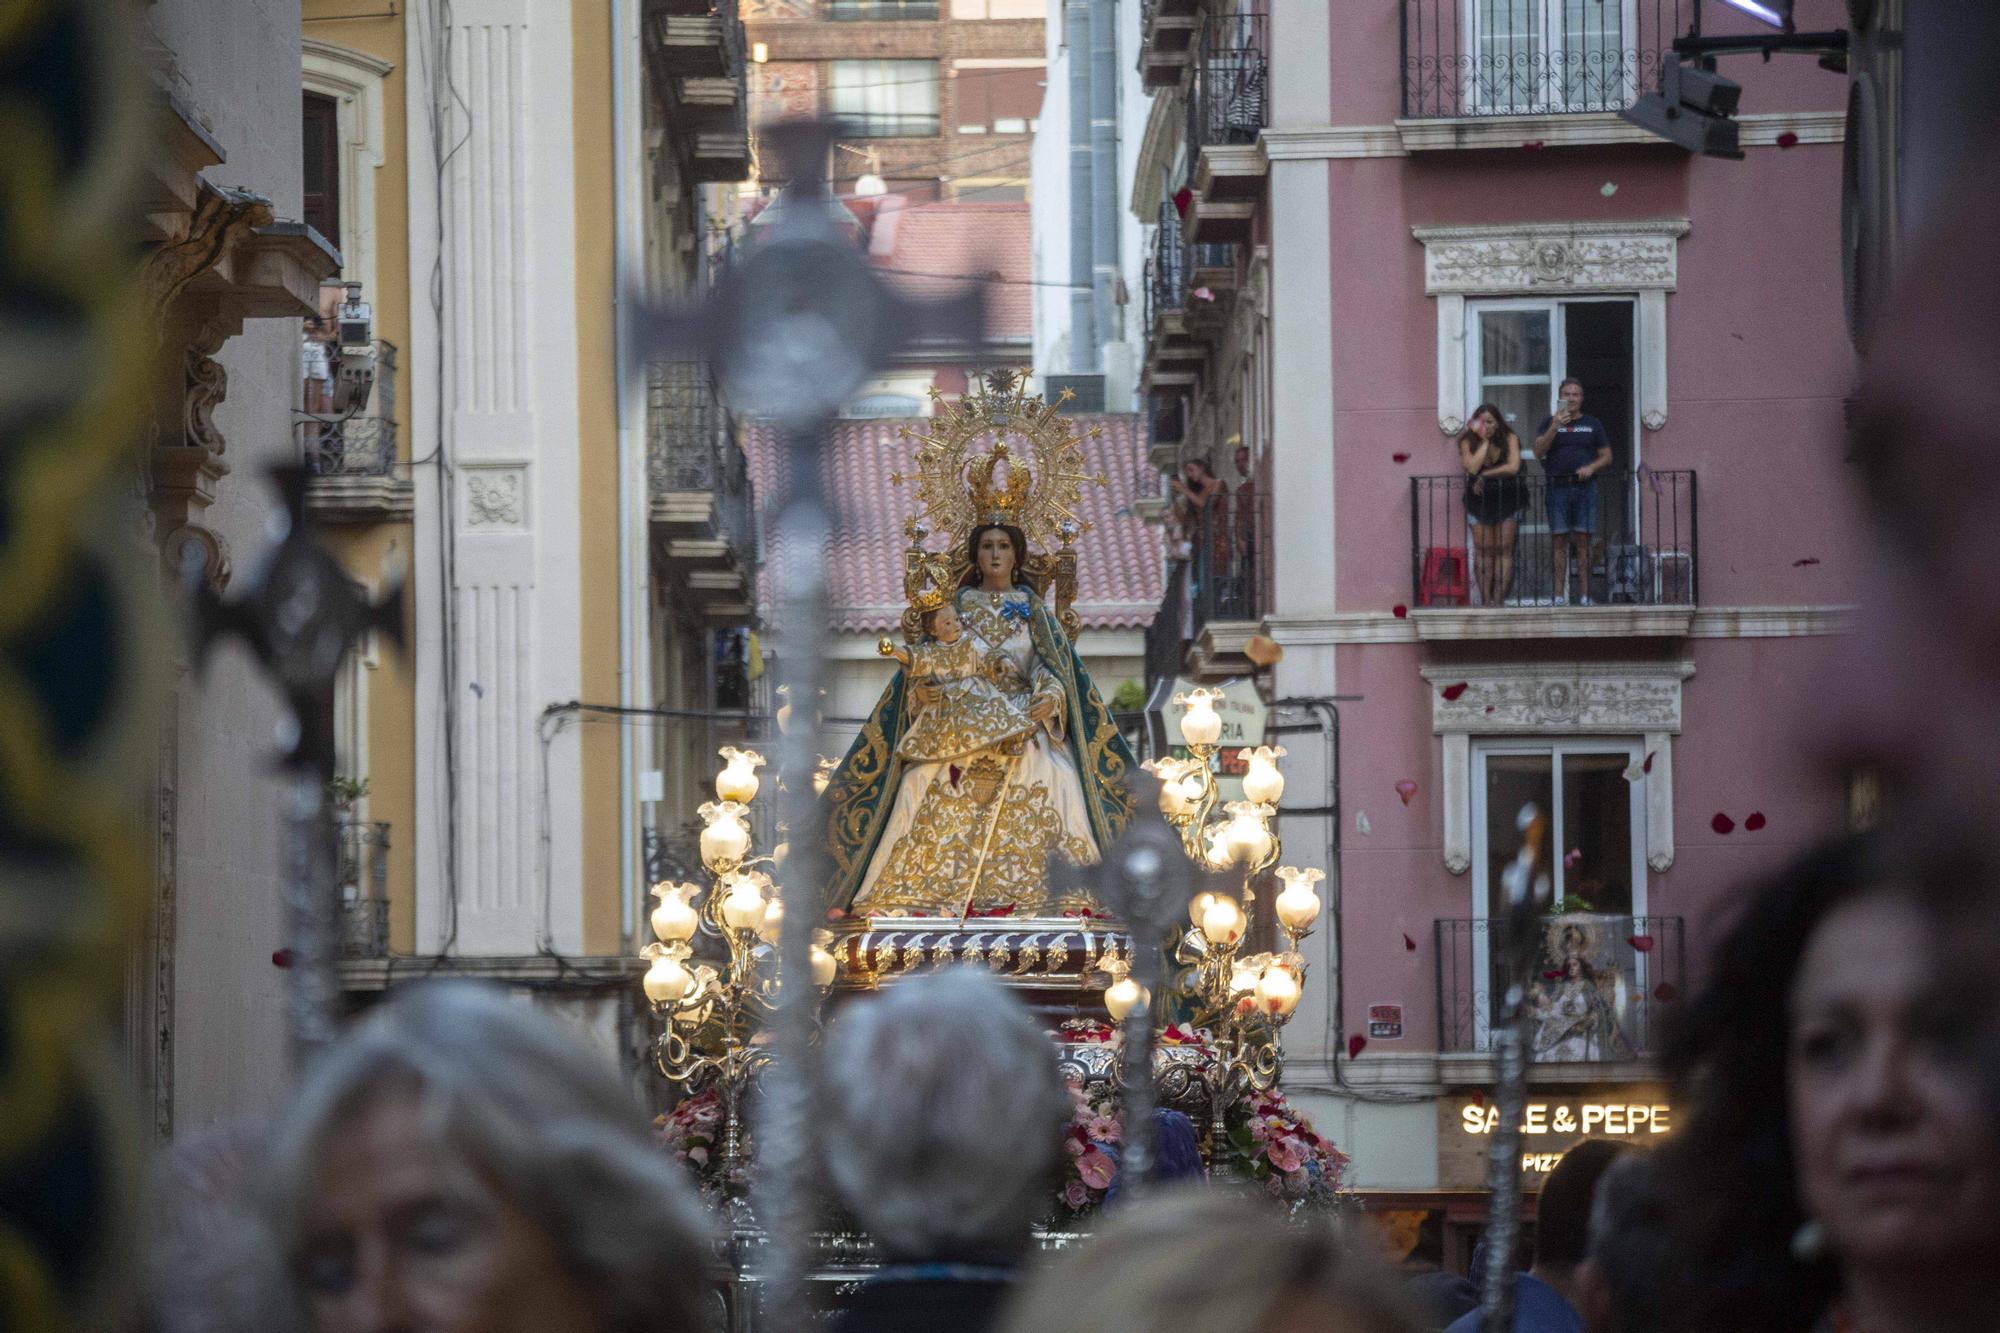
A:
(996, 557)
(945, 624)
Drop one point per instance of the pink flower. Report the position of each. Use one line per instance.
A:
(1075, 1146)
(1075, 1195)
(1286, 1153)
(699, 1156)
(1258, 1131)
(1095, 1169)
(1104, 1129)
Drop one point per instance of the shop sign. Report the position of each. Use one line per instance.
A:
(1552, 1123)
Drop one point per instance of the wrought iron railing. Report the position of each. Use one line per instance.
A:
(363, 859)
(359, 445)
(1227, 549)
(1167, 636)
(1642, 550)
(1229, 92)
(692, 446)
(1533, 57)
(1166, 269)
(1599, 986)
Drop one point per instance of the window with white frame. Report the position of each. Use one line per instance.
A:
(884, 99)
(1532, 57)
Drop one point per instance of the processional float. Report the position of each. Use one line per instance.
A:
(1149, 931)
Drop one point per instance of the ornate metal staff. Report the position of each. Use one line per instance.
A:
(299, 613)
(1510, 1039)
(794, 331)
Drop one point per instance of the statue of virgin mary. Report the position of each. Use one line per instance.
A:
(952, 799)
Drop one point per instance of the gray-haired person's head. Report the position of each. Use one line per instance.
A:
(1622, 1283)
(528, 1124)
(942, 1116)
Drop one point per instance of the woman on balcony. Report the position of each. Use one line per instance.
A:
(1490, 453)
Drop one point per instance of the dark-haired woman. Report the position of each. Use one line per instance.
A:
(1837, 1164)
(1490, 453)
(1042, 775)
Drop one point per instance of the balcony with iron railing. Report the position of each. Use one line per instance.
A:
(700, 67)
(703, 503)
(1600, 987)
(351, 461)
(1166, 37)
(1533, 57)
(1482, 562)
(1228, 105)
(363, 861)
(1217, 586)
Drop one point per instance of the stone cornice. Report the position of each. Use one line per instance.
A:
(1402, 138)
(1507, 258)
(1476, 623)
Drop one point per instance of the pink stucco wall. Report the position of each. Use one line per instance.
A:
(1758, 363)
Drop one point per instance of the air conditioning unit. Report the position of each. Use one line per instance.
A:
(1089, 391)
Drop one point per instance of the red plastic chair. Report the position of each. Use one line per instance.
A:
(1445, 577)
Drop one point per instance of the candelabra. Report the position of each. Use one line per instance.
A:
(711, 1016)
(1246, 999)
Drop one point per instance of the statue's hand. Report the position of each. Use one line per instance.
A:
(926, 692)
(1042, 708)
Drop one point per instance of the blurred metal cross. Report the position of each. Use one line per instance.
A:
(794, 330)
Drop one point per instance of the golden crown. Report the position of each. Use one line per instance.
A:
(928, 595)
(1004, 501)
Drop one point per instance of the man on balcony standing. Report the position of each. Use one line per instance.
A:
(1573, 449)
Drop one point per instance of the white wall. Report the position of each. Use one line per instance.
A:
(1048, 166)
(508, 381)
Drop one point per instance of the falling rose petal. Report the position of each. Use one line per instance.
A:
(1665, 992)
(1753, 821)
(1407, 790)
(1355, 1045)
(1634, 771)
(281, 958)
(1361, 824)
(1788, 140)
(1399, 458)
(1478, 1098)
(1409, 944)
(1643, 943)
(1551, 976)
(1534, 145)
(1809, 560)
(1202, 294)
(1647, 767)
(1571, 857)
(1452, 692)
(1608, 189)
(1399, 611)
(1722, 823)
(835, 913)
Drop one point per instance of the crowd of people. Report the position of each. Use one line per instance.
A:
(456, 1162)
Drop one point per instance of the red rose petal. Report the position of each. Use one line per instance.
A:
(281, 958)
(1478, 1098)
(1571, 857)
(1534, 145)
(1753, 821)
(1809, 560)
(1489, 708)
(1722, 823)
(1788, 140)
(1551, 976)
(1643, 943)
(1453, 691)
(1647, 767)
(1665, 992)
(1406, 789)
(1408, 943)
(1399, 458)
(1355, 1045)
(1399, 611)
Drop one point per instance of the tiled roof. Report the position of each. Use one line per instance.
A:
(960, 241)
(1120, 578)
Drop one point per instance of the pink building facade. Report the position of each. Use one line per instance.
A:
(1437, 206)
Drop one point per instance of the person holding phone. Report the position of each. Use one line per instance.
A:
(1574, 449)
(1490, 453)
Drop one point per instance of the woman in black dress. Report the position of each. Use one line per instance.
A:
(1490, 452)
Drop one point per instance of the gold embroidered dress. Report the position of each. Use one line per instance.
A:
(974, 826)
(975, 711)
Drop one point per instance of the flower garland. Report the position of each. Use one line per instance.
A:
(1266, 1140)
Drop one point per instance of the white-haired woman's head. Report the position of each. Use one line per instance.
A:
(457, 1162)
(942, 1115)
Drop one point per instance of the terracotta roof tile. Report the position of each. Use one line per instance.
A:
(1120, 574)
(927, 250)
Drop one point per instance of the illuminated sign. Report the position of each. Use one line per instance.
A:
(1586, 1118)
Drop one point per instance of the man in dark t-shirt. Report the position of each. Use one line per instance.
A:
(1573, 449)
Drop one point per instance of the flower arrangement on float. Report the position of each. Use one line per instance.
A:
(1272, 1143)
(692, 1133)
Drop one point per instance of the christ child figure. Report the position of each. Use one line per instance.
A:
(972, 709)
